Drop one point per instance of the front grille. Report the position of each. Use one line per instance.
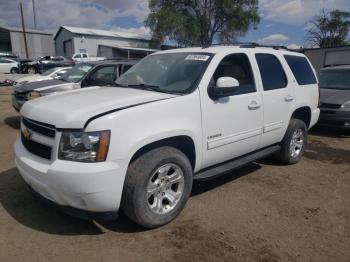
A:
(328, 111)
(329, 106)
(21, 96)
(36, 148)
(41, 128)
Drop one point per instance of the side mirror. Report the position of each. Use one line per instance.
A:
(224, 86)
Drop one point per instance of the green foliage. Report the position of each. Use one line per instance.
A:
(329, 29)
(198, 22)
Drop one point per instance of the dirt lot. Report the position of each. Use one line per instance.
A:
(264, 212)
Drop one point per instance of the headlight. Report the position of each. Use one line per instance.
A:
(32, 95)
(346, 105)
(84, 146)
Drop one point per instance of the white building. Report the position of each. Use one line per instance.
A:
(70, 40)
(40, 43)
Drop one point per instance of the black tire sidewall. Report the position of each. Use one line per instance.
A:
(138, 175)
(14, 70)
(293, 126)
(35, 71)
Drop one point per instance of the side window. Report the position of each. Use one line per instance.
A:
(126, 68)
(77, 56)
(271, 71)
(238, 67)
(84, 55)
(2, 61)
(301, 69)
(103, 76)
(5, 61)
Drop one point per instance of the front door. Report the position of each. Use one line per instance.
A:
(232, 125)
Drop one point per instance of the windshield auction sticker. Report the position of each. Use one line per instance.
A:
(197, 57)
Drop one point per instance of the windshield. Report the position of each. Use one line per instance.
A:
(49, 72)
(169, 72)
(76, 73)
(335, 79)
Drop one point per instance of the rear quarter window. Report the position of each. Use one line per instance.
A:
(301, 69)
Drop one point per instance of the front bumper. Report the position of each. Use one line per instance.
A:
(93, 187)
(16, 103)
(339, 119)
(75, 212)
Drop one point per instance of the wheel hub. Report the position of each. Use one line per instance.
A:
(165, 188)
(296, 143)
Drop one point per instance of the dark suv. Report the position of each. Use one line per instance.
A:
(335, 97)
(46, 62)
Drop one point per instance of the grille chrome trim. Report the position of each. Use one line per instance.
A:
(41, 128)
(330, 106)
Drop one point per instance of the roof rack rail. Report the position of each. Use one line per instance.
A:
(248, 45)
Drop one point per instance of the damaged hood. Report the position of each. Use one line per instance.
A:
(45, 86)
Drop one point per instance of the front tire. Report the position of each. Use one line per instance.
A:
(157, 187)
(32, 70)
(294, 142)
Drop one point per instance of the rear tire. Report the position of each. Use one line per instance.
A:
(294, 142)
(157, 187)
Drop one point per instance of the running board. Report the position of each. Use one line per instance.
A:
(226, 167)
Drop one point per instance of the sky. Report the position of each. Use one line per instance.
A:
(283, 22)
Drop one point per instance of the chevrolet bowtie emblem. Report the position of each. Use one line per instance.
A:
(26, 133)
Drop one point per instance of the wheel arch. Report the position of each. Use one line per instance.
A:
(184, 143)
(303, 113)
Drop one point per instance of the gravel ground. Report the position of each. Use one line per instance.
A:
(264, 212)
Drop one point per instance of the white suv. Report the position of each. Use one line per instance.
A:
(176, 116)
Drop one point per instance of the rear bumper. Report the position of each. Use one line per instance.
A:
(315, 114)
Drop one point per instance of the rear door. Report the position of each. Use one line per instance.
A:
(278, 96)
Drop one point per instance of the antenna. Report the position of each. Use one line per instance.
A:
(34, 14)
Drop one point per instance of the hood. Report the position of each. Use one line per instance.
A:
(334, 96)
(41, 85)
(33, 78)
(32, 62)
(73, 109)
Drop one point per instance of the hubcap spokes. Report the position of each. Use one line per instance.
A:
(165, 188)
(297, 143)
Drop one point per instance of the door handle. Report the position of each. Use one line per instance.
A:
(254, 105)
(289, 98)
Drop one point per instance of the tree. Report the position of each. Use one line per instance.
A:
(199, 22)
(329, 29)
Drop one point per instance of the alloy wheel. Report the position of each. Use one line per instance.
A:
(165, 188)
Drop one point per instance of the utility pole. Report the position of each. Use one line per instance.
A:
(24, 31)
(34, 13)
